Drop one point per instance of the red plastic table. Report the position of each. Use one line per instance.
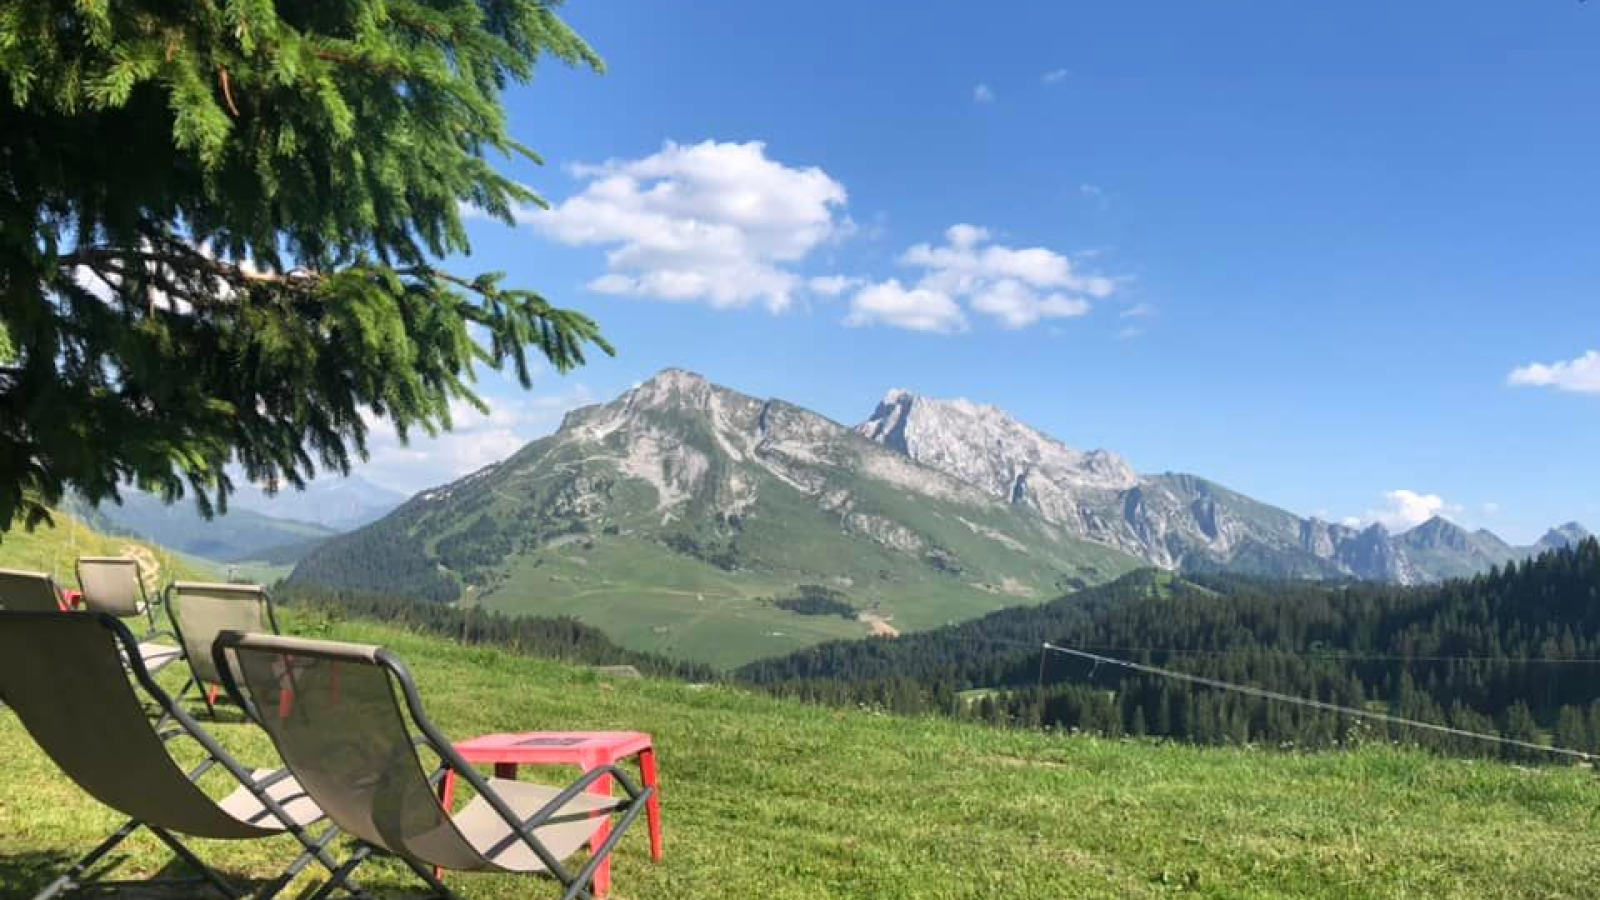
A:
(586, 749)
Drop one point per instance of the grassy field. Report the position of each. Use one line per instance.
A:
(55, 549)
(771, 799)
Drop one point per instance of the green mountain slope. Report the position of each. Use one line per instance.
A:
(771, 799)
(679, 517)
(56, 548)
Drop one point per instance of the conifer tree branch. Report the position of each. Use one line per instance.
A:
(162, 162)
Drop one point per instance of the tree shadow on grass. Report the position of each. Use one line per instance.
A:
(25, 874)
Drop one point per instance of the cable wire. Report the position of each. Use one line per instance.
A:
(1265, 694)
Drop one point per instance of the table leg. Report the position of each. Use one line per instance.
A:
(652, 807)
(447, 799)
(601, 786)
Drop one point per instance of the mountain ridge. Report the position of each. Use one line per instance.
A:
(1174, 520)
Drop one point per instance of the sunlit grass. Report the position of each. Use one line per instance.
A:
(771, 799)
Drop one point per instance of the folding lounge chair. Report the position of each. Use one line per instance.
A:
(22, 591)
(114, 585)
(332, 711)
(63, 675)
(200, 611)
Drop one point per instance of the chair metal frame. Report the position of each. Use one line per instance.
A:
(315, 847)
(576, 884)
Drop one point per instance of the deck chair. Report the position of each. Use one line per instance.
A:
(22, 591)
(114, 585)
(200, 611)
(333, 712)
(63, 675)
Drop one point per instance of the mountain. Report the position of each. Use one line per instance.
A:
(1443, 549)
(1568, 535)
(239, 535)
(685, 517)
(1172, 520)
(332, 502)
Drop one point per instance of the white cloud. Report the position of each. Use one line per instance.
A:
(1138, 311)
(1128, 334)
(1403, 509)
(1580, 376)
(717, 223)
(1018, 306)
(1016, 287)
(1054, 76)
(982, 94)
(916, 309)
(475, 440)
(967, 264)
(832, 285)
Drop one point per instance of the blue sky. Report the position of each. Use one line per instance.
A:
(1300, 249)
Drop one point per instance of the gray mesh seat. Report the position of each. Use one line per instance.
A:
(114, 585)
(64, 676)
(200, 611)
(336, 714)
(22, 591)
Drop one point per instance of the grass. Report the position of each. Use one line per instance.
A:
(55, 549)
(772, 799)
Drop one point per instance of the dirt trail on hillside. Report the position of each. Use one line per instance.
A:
(149, 565)
(879, 625)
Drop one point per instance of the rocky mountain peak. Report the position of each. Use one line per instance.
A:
(670, 387)
(1563, 536)
(1440, 533)
(985, 446)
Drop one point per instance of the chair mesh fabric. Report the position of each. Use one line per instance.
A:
(562, 835)
(28, 592)
(203, 611)
(337, 725)
(63, 676)
(110, 584)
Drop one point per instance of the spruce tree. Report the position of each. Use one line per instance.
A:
(221, 233)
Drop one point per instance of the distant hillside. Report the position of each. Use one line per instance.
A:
(55, 549)
(238, 535)
(336, 503)
(679, 516)
(1521, 627)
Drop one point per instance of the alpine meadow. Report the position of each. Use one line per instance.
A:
(475, 449)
